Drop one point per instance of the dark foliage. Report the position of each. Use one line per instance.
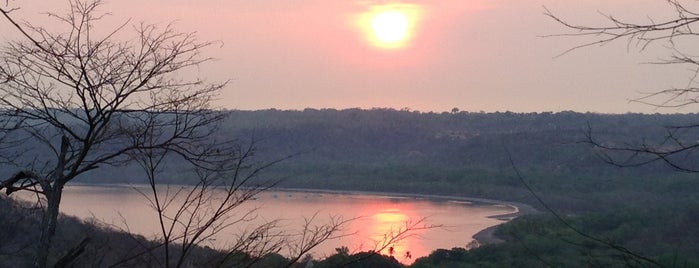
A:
(542, 241)
(358, 260)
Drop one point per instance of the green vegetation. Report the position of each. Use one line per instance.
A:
(665, 236)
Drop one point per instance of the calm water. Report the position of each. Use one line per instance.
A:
(378, 215)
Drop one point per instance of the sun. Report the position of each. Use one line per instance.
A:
(390, 26)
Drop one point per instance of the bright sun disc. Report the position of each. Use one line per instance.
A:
(390, 26)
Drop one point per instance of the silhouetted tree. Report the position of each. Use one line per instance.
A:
(677, 147)
(676, 33)
(79, 99)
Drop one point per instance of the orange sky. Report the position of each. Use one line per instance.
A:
(475, 55)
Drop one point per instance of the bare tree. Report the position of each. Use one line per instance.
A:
(191, 215)
(312, 235)
(80, 99)
(678, 33)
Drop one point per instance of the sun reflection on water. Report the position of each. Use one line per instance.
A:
(388, 228)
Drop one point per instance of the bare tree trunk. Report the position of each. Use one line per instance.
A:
(53, 200)
(48, 224)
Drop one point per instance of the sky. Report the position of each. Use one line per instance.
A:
(474, 55)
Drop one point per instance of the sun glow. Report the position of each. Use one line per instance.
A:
(390, 26)
(381, 231)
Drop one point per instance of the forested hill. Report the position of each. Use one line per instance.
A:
(551, 142)
(447, 153)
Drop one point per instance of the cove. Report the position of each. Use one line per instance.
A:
(373, 217)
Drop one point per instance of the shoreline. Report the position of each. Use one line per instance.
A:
(519, 208)
(482, 237)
